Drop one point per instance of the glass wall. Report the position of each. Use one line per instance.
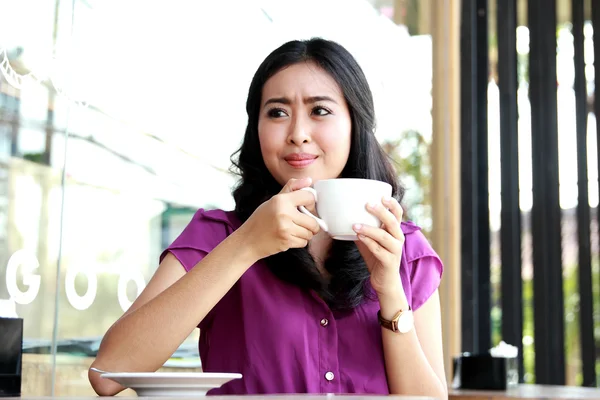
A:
(117, 121)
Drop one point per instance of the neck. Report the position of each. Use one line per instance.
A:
(319, 248)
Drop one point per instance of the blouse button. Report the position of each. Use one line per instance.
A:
(329, 376)
(324, 322)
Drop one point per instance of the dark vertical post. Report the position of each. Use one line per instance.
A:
(475, 242)
(596, 37)
(546, 212)
(586, 298)
(510, 230)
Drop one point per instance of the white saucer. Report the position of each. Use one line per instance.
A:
(171, 383)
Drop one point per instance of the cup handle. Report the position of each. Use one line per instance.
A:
(303, 210)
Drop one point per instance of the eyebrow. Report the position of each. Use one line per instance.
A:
(307, 100)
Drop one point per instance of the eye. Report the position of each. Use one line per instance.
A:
(276, 113)
(320, 111)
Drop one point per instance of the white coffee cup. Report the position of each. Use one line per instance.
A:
(342, 202)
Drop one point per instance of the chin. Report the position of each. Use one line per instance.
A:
(296, 173)
(313, 171)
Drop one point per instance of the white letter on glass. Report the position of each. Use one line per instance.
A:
(29, 264)
(81, 302)
(122, 290)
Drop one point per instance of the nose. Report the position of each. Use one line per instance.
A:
(299, 132)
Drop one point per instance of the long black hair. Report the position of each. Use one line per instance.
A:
(349, 275)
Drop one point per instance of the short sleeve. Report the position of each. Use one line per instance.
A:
(427, 275)
(424, 266)
(204, 232)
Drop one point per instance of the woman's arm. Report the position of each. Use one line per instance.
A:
(167, 311)
(414, 360)
(174, 302)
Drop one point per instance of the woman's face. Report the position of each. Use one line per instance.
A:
(304, 126)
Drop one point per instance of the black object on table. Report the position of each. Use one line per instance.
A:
(484, 372)
(11, 354)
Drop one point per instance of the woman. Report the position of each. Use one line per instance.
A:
(275, 298)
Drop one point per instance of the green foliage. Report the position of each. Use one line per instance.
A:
(410, 153)
(34, 157)
(571, 321)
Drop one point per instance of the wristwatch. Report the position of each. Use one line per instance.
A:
(402, 322)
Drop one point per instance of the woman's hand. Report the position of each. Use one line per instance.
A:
(277, 225)
(381, 248)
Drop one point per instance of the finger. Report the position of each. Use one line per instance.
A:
(299, 237)
(374, 247)
(301, 233)
(306, 222)
(296, 184)
(302, 198)
(297, 243)
(394, 207)
(383, 238)
(387, 218)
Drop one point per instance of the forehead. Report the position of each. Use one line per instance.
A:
(305, 79)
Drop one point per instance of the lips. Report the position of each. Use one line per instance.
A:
(300, 160)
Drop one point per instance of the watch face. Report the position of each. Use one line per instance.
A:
(406, 322)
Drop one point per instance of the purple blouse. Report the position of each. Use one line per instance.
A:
(284, 339)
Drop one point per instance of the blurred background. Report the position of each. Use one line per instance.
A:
(118, 119)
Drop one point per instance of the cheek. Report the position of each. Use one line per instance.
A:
(337, 143)
(268, 144)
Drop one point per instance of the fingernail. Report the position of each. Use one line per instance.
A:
(372, 206)
(387, 199)
(357, 227)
